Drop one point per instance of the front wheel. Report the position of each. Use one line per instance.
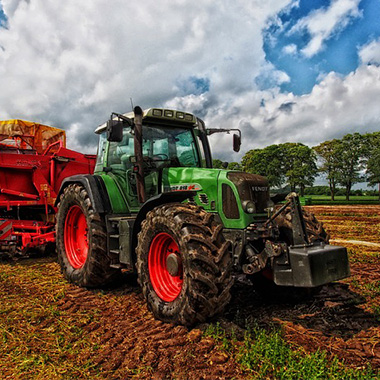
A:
(81, 240)
(184, 264)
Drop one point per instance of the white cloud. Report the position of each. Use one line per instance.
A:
(290, 49)
(370, 53)
(324, 23)
(336, 106)
(72, 63)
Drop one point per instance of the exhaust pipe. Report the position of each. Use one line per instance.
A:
(139, 171)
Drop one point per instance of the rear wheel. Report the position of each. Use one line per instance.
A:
(81, 240)
(184, 264)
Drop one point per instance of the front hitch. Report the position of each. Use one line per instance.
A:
(301, 263)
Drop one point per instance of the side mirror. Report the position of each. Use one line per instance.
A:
(115, 130)
(236, 143)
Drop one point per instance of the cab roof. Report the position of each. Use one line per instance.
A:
(159, 115)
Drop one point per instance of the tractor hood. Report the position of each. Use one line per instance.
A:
(239, 198)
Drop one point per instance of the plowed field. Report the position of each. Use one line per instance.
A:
(50, 329)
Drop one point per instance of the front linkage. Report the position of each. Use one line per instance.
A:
(293, 245)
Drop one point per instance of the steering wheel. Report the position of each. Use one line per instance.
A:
(160, 157)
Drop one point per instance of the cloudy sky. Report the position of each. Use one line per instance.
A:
(280, 70)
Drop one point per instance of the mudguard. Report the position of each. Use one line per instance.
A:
(95, 188)
(160, 199)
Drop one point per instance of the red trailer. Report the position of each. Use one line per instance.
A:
(34, 161)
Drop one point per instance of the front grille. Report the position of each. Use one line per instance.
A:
(251, 187)
(230, 207)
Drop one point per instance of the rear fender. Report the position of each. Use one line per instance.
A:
(95, 188)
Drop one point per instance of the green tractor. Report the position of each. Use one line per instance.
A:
(155, 206)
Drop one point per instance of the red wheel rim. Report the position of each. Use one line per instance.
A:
(166, 285)
(75, 237)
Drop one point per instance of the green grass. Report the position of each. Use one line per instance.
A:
(37, 339)
(343, 197)
(341, 200)
(266, 355)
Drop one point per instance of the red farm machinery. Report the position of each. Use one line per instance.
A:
(34, 161)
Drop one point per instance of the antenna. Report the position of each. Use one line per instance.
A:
(131, 103)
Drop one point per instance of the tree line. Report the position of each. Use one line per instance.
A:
(354, 158)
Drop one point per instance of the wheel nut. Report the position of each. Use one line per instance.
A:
(173, 264)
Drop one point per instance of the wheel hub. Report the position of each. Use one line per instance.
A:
(173, 264)
(165, 267)
(75, 237)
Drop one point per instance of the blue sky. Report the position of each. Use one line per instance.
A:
(339, 53)
(2, 17)
(280, 70)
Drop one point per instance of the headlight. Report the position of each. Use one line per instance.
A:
(249, 207)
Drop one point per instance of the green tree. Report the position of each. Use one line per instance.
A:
(234, 166)
(372, 158)
(290, 162)
(300, 165)
(327, 153)
(267, 162)
(218, 164)
(350, 153)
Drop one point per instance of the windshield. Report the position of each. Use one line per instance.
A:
(168, 146)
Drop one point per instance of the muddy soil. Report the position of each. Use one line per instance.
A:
(332, 320)
(132, 344)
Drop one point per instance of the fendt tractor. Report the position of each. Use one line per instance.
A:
(33, 162)
(155, 206)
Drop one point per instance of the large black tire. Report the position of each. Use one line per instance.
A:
(82, 240)
(202, 255)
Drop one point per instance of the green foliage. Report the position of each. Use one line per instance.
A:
(325, 191)
(372, 158)
(267, 162)
(373, 168)
(293, 163)
(350, 151)
(234, 166)
(315, 199)
(268, 356)
(329, 162)
(217, 164)
(38, 340)
(219, 334)
(300, 165)
(317, 190)
(343, 160)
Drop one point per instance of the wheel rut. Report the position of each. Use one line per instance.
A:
(132, 343)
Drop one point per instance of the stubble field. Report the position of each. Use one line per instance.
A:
(50, 329)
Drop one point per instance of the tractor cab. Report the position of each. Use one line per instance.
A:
(138, 153)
